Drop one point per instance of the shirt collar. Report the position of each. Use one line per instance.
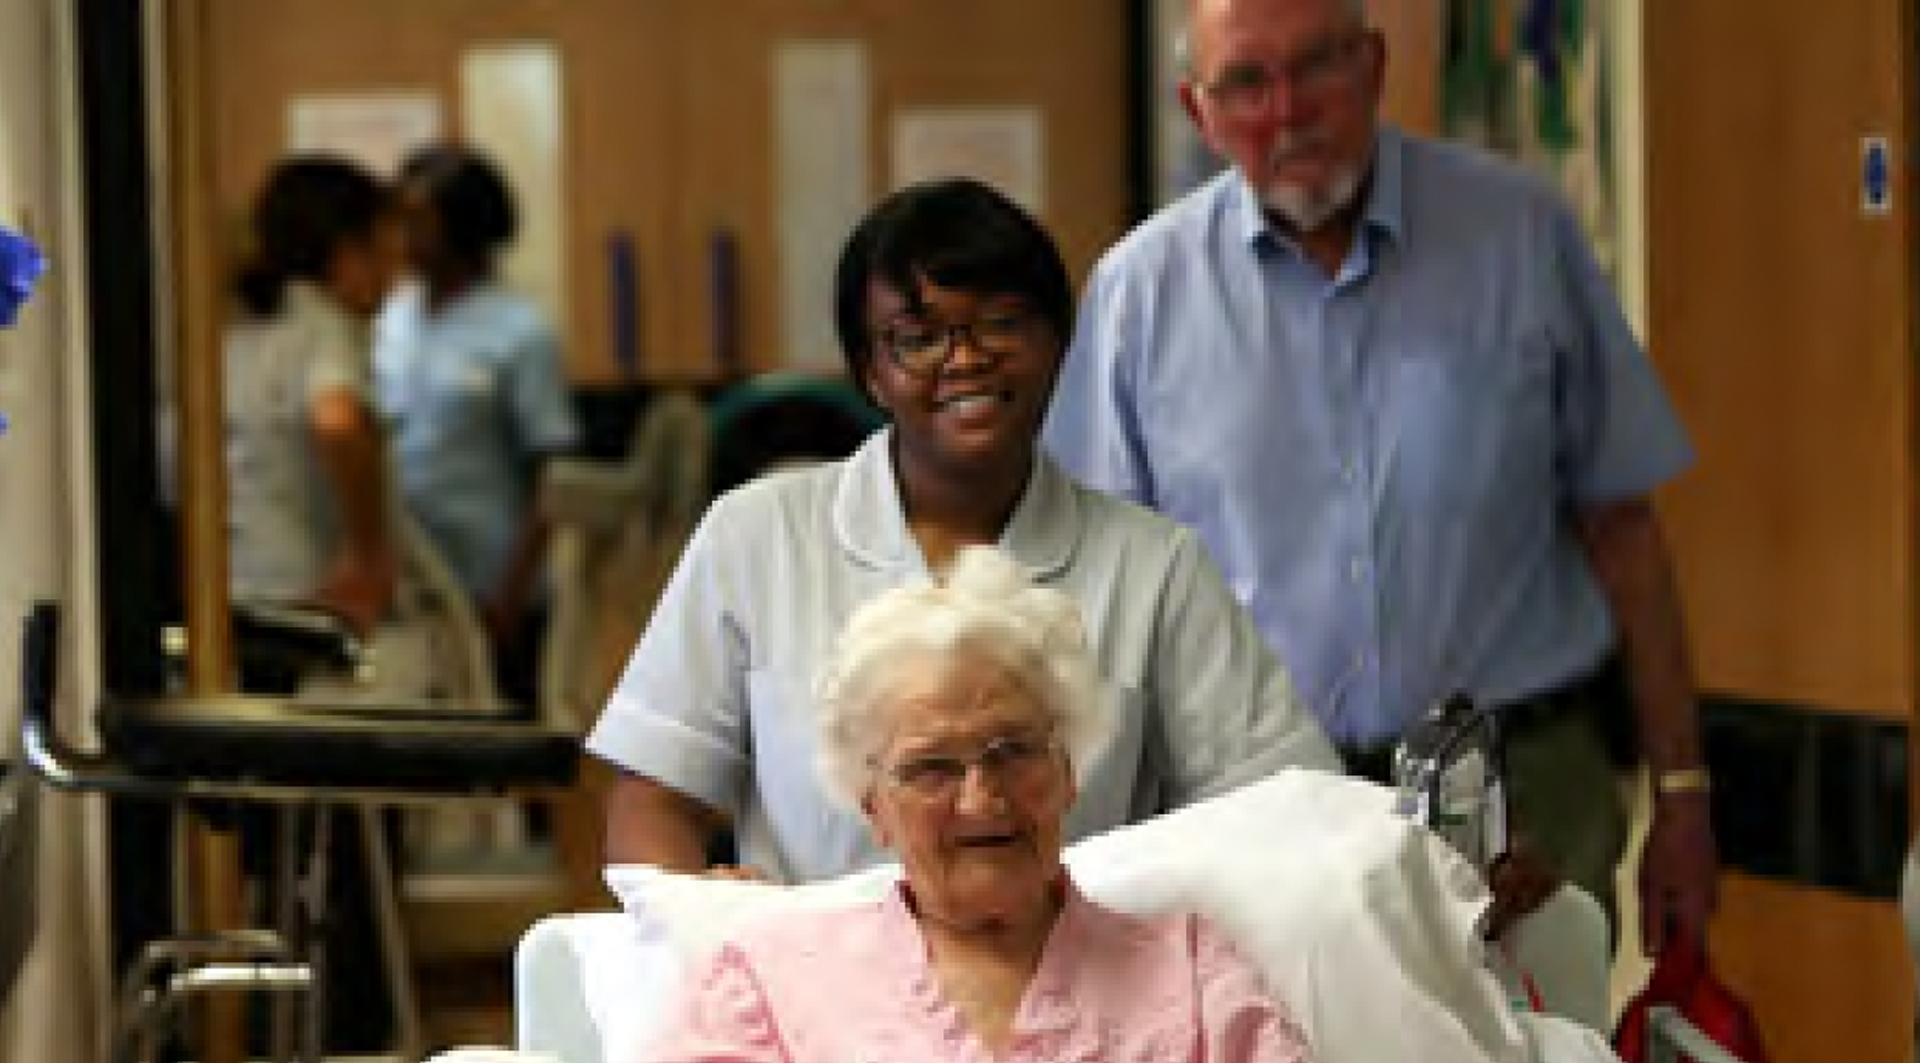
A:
(871, 524)
(1384, 212)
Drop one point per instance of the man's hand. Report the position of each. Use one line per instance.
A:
(1521, 881)
(1678, 871)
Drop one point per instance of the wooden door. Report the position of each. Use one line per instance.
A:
(1780, 312)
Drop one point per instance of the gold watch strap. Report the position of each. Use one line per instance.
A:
(1682, 781)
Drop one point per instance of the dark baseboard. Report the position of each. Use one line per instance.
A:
(1808, 796)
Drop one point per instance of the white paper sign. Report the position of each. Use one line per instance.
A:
(999, 145)
(510, 107)
(376, 128)
(821, 104)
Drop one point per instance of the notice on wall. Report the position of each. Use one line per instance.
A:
(510, 108)
(821, 93)
(1002, 146)
(375, 128)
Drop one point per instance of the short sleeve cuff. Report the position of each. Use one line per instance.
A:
(641, 742)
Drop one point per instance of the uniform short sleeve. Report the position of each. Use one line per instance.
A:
(678, 712)
(543, 413)
(1226, 707)
(335, 361)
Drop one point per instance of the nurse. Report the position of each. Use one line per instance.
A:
(953, 309)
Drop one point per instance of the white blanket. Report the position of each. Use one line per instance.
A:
(1365, 925)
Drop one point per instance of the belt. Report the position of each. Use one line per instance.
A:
(1372, 761)
(1591, 692)
(1594, 694)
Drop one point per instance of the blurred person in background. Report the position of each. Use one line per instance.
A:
(307, 468)
(469, 376)
(308, 485)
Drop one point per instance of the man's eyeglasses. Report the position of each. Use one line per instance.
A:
(1245, 90)
(922, 347)
(1011, 761)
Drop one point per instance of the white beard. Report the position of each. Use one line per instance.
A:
(1307, 209)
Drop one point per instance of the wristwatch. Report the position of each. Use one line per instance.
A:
(1682, 781)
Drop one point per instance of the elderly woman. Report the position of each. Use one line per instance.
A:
(954, 718)
(953, 309)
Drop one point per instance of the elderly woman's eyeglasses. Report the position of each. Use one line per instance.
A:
(1011, 760)
(922, 347)
(1245, 90)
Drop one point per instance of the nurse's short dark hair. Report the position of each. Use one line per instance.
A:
(470, 196)
(310, 206)
(957, 233)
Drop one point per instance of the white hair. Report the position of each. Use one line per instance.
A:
(1183, 32)
(985, 605)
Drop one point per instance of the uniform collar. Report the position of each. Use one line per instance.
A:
(871, 525)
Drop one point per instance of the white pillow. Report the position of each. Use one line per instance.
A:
(1363, 924)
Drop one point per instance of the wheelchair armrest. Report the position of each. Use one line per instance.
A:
(296, 633)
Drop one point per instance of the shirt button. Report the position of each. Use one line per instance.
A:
(1357, 569)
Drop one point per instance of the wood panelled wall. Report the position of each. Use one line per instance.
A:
(669, 122)
(1780, 311)
(1781, 314)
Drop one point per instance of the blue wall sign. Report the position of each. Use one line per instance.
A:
(1876, 175)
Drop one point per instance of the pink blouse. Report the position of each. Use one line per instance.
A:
(854, 986)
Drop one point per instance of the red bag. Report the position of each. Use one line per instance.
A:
(1683, 980)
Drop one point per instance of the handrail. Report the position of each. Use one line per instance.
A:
(67, 767)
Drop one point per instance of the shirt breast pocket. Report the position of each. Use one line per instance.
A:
(1461, 427)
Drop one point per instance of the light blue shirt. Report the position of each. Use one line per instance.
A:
(1383, 462)
(475, 398)
(716, 701)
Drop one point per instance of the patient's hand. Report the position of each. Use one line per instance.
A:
(1521, 881)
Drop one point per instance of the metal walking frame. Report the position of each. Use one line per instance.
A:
(308, 758)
